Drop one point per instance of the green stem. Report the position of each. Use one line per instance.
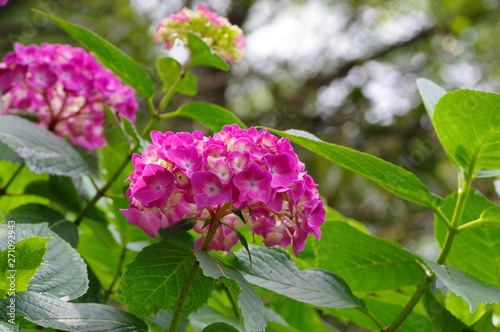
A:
(118, 273)
(3, 190)
(170, 93)
(214, 224)
(475, 223)
(410, 305)
(452, 231)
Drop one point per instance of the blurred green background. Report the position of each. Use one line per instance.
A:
(343, 70)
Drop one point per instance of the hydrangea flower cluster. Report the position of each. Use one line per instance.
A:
(216, 31)
(66, 89)
(189, 175)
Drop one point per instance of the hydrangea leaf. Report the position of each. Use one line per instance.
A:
(365, 262)
(273, 269)
(41, 150)
(430, 93)
(249, 301)
(34, 213)
(468, 125)
(220, 327)
(386, 305)
(154, 280)
(170, 71)
(389, 176)
(50, 311)
(63, 273)
(441, 318)
(112, 57)
(466, 286)
(211, 116)
(202, 54)
(25, 259)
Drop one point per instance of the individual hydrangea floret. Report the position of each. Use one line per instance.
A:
(3, 2)
(187, 175)
(66, 89)
(216, 31)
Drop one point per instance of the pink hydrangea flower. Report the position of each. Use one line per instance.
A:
(189, 175)
(66, 89)
(3, 2)
(216, 31)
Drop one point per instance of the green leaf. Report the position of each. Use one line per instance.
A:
(170, 71)
(109, 55)
(154, 280)
(188, 85)
(273, 269)
(202, 54)
(365, 262)
(21, 261)
(386, 306)
(220, 327)
(130, 130)
(63, 272)
(468, 125)
(37, 213)
(389, 176)
(441, 318)
(474, 250)
(211, 116)
(207, 315)
(430, 93)
(8, 327)
(485, 323)
(58, 189)
(491, 214)
(249, 301)
(42, 151)
(466, 286)
(49, 311)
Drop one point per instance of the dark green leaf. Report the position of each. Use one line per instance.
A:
(468, 125)
(38, 213)
(182, 225)
(391, 177)
(21, 262)
(202, 54)
(63, 273)
(248, 300)
(474, 250)
(154, 280)
(272, 269)
(42, 151)
(211, 116)
(466, 286)
(220, 327)
(441, 318)
(59, 189)
(365, 262)
(113, 58)
(49, 311)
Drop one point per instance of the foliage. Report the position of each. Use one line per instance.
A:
(63, 228)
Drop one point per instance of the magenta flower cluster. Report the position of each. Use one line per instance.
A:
(66, 89)
(189, 175)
